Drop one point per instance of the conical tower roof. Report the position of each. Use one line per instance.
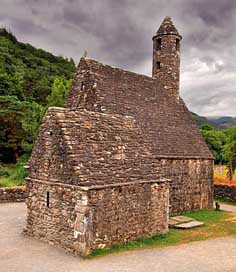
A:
(167, 27)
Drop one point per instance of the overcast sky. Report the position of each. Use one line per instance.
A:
(119, 32)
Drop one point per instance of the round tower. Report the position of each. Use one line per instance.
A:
(166, 56)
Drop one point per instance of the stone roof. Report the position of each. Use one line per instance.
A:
(167, 27)
(164, 121)
(91, 148)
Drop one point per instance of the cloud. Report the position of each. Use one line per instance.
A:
(119, 33)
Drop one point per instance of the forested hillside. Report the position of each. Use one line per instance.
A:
(30, 80)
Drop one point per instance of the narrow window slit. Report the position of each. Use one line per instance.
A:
(177, 44)
(82, 86)
(158, 44)
(48, 199)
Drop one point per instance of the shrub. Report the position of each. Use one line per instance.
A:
(4, 172)
(14, 175)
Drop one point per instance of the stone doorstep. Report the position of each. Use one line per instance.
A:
(184, 222)
(189, 225)
(172, 223)
(182, 219)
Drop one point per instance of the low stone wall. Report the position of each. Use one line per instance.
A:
(13, 194)
(191, 183)
(225, 191)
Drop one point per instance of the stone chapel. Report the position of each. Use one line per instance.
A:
(121, 156)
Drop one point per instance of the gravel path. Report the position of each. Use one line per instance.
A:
(227, 207)
(22, 254)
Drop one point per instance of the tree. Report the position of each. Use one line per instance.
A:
(12, 113)
(13, 85)
(215, 140)
(229, 151)
(59, 93)
(206, 127)
(28, 76)
(30, 124)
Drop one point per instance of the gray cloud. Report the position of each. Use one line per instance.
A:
(119, 33)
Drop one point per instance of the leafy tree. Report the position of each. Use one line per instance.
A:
(30, 80)
(206, 127)
(229, 151)
(30, 124)
(215, 140)
(12, 84)
(60, 90)
(222, 144)
(12, 113)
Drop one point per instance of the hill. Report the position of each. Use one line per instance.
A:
(31, 79)
(218, 122)
(223, 122)
(34, 68)
(202, 120)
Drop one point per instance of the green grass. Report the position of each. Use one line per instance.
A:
(226, 201)
(8, 182)
(207, 216)
(13, 175)
(217, 224)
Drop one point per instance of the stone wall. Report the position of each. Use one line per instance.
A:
(227, 192)
(178, 150)
(83, 219)
(110, 149)
(191, 183)
(122, 213)
(54, 222)
(166, 62)
(13, 194)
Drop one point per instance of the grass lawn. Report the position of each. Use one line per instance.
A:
(12, 175)
(217, 224)
(226, 201)
(8, 182)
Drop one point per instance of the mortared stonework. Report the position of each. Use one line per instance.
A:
(121, 157)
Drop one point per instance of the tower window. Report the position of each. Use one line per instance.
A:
(177, 44)
(158, 64)
(158, 44)
(48, 199)
(82, 86)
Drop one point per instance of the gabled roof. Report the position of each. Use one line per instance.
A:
(91, 148)
(164, 121)
(167, 27)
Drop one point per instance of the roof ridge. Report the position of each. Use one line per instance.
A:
(118, 68)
